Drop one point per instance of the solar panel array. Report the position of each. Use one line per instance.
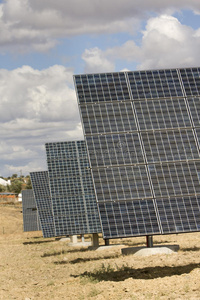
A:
(30, 213)
(142, 131)
(72, 192)
(41, 190)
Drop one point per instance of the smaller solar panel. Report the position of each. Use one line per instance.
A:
(41, 190)
(72, 192)
(30, 214)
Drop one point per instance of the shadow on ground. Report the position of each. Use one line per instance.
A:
(194, 249)
(37, 242)
(109, 274)
(80, 260)
(56, 253)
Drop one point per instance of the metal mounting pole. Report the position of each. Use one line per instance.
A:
(107, 242)
(149, 240)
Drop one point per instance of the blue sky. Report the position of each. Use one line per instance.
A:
(43, 43)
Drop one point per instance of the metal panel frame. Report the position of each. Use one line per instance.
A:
(161, 108)
(41, 190)
(73, 199)
(30, 214)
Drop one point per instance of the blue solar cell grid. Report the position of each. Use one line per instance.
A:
(73, 198)
(142, 131)
(30, 214)
(41, 190)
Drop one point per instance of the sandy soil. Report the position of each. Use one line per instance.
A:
(32, 267)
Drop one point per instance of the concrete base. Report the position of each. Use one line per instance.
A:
(81, 244)
(65, 240)
(145, 251)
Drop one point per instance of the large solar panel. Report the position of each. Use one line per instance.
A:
(30, 214)
(41, 190)
(142, 132)
(72, 192)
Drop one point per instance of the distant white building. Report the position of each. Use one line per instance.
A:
(4, 182)
(20, 197)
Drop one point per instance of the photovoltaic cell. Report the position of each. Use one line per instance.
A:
(191, 81)
(179, 214)
(73, 198)
(121, 183)
(30, 213)
(41, 190)
(154, 84)
(194, 106)
(118, 218)
(108, 118)
(142, 131)
(161, 114)
(169, 145)
(180, 178)
(116, 149)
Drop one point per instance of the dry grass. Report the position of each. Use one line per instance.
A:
(32, 267)
(11, 218)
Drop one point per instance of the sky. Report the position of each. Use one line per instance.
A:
(44, 43)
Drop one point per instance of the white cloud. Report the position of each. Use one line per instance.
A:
(95, 61)
(167, 26)
(39, 95)
(35, 107)
(165, 43)
(35, 25)
(168, 43)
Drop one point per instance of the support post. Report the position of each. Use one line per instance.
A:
(149, 240)
(107, 242)
(73, 239)
(95, 240)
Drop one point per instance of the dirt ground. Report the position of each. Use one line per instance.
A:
(32, 267)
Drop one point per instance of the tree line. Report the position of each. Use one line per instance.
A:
(17, 184)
